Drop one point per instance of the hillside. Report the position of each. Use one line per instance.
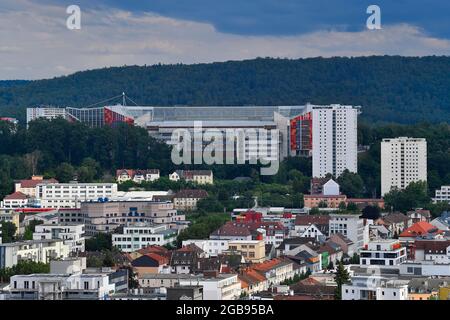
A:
(390, 89)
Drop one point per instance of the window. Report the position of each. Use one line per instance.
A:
(86, 285)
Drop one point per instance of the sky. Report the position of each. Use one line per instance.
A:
(35, 42)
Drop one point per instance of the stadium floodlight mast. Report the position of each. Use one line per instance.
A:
(239, 145)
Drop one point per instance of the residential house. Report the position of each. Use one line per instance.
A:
(187, 199)
(291, 243)
(420, 230)
(252, 281)
(418, 215)
(276, 270)
(443, 221)
(150, 263)
(348, 246)
(196, 176)
(437, 251)
(311, 226)
(231, 231)
(304, 255)
(310, 287)
(253, 251)
(211, 247)
(394, 222)
(184, 260)
(16, 200)
(426, 288)
(137, 176)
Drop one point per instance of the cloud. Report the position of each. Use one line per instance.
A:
(40, 46)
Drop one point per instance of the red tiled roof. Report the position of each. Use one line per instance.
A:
(432, 246)
(232, 229)
(153, 249)
(16, 196)
(419, 228)
(303, 220)
(33, 183)
(160, 259)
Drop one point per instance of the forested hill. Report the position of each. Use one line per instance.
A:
(390, 88)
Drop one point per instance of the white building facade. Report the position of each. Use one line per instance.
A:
(403, 160)
(71, 234)
(383, 253)
(442, 194)
(69, 195)
(351, 226)
(140, 235)
(334, 139)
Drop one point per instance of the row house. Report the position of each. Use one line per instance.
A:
(137, 176)
(196, 176)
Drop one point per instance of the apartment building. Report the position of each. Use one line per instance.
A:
(403, 160)
(70, 195)
(383, 253)
(187, 199)
(252, 250)
(350, 226)
(136, 236)
(375, 288)
(442, 194)
(106, 216)
(334, 139)
(61, 287)
(71, 234)
(33, 250)
(216, 287)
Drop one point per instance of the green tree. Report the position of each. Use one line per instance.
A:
(351, 184)
(413, 196)
(65, 172)
(8, 231)
(341, 276)
(101, 241)
(29, 230)
(371, 212)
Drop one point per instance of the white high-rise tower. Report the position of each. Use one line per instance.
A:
(335, 139)
(403, 160)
